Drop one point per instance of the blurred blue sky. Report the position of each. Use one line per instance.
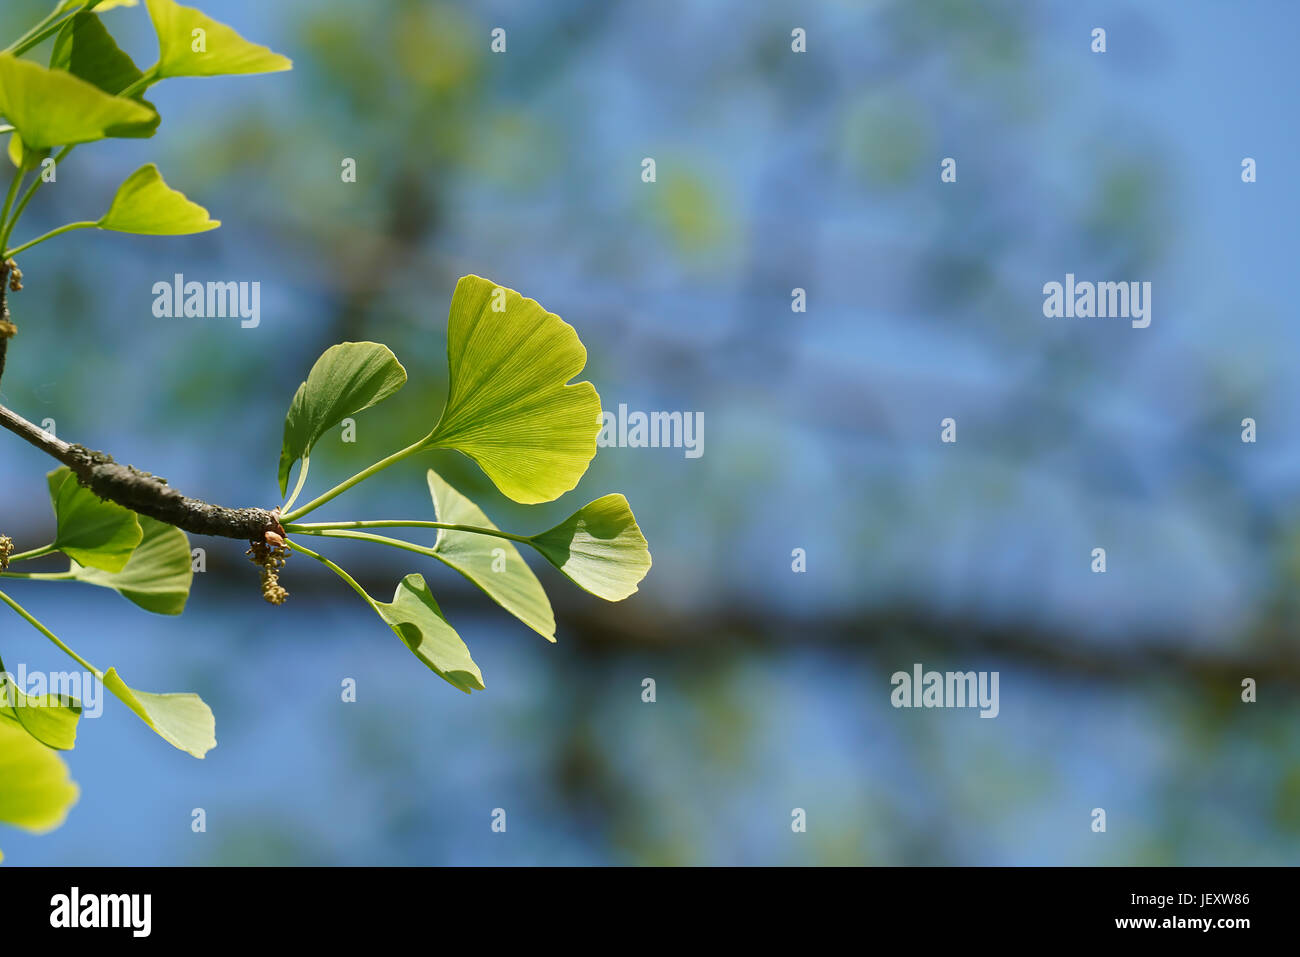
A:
(775, 170)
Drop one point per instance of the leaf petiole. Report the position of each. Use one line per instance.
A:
(297, 489)
(34, 553)
(50, 235)
(14, 185)
(27, 616)
(357, 479)
(335, 569)
(317, 528)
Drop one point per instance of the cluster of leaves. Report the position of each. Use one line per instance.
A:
(511, 408)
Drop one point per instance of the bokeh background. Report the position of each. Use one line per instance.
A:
(775, 170)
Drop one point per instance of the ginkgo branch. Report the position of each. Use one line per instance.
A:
(142, 492)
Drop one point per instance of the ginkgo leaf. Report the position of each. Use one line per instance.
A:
(600, 548)
(86, 49)
(493, 564)
(345, 380)
(50, 719)
(193, 44)
(415, 617)
(36, 792)
(145, 204)
(509, 405)
(92, 532)
(182, 720)
(158, 575)
(54, 108)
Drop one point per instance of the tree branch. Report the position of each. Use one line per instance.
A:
(144, 493)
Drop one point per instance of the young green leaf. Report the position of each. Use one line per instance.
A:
(86, 49)
(145, 204)
(158, 575)
(508, 405)
(182, 720)
(91, 531)
(599, 548)
(54, 108)
(35, 790)
(192, 44)
(346, 379)
(50, 719)
(493, 564)
(415, 617)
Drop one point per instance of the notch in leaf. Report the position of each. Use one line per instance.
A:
(510, 406)
(54, 108)
(191, 43)
(345, 380)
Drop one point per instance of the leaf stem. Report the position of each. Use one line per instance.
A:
(25, 614)
(315, 528)
(297, 489)
(14, 184)
(360, 477)
(335, 569)
(67, 576)
(50, 24)
(50, 235)
(34, 553)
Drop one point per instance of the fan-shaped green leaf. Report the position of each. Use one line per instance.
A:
(54, 108)
(346, 379)
(91, 531)
(508, 405)
(145, 204)
(415, 617)
(599, 547)
(35, 790)
(158, 575)
(182, 720)
(192, 44)
(86, 49)
(50, 719)
(493, 564)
